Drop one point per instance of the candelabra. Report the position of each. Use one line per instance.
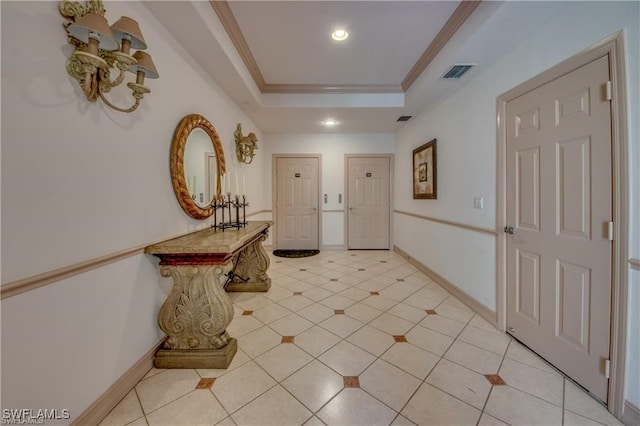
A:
(227, 206)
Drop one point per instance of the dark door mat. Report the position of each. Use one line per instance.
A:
(295, 253)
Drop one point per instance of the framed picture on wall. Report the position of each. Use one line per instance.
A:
(425, 173)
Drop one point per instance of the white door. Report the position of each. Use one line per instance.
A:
(368, 202)
(559, 202)
(211, 175)
(297, 217)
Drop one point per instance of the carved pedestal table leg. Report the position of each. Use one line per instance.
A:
(195, 317)
(251, 268)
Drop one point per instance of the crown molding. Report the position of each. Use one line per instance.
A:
(459, 16)
(230, 24)
(326, 88)
(223, 10)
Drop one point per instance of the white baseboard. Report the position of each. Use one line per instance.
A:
(334, 247)
(631, 414)
(107, 402)
(486, 313)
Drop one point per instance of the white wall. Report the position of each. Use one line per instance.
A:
(333, 148)
(465, 127)
(81, 181)
(633, 342)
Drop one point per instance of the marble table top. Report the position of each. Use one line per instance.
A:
(210, 241)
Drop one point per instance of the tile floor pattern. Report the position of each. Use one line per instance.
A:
(360, 338)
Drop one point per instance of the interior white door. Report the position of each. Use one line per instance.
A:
(559, 202)
(297, 217)
(368, 201)
(211, 178)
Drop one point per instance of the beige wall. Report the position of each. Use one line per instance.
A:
(81, 181)
(332, 147)
(465, 126)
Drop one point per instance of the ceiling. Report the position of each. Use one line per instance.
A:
(278, 63)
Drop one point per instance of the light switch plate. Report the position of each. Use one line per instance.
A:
(478, 202)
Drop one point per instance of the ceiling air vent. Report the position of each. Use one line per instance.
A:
(456, 71)
(404, 118)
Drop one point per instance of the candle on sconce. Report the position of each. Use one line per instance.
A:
(237, 187)
(222, 188)
(244, 185)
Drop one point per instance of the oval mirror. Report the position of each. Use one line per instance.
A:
(197, 164)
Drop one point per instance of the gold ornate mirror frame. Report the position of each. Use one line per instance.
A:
(183, 130)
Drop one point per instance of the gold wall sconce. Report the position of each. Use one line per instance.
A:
(101, 49)
(245, 146)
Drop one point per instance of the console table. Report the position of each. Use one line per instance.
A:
(198, 310)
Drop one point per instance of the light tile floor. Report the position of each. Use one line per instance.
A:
(361, 338)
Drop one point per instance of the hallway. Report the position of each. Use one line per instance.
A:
(361, 338)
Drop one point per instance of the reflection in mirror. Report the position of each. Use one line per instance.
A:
(197, 164)
(200, 167)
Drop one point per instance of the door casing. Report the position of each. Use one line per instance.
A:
(274, 190)
(614, 47)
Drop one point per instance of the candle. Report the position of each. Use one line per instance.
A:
(244, 185)
(237, 187)
(222, 188)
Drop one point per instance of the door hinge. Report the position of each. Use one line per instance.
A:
(610, 231)
(609, 90)
(607, 368)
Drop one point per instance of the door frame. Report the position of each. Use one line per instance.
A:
(613, 46)
(274, 192)
(391, 158)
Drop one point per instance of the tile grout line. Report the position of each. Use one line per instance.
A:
(144, 414)
(367, 263)
(422, 381)
(343, 339)
(493, 386)
(564, 395)
(377, 357)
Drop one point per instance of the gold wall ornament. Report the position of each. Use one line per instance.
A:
(101, 49)
(245, 145)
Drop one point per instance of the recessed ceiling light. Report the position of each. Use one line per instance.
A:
(339, 35)
(330, 122)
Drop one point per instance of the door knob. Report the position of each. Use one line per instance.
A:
(509, 230)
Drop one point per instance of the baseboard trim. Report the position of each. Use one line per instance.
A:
(486, 313)
(97, 411)
(334, 247)
(631, 414)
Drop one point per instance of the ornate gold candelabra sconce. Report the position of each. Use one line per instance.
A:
(245, 145)
(101, 49)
